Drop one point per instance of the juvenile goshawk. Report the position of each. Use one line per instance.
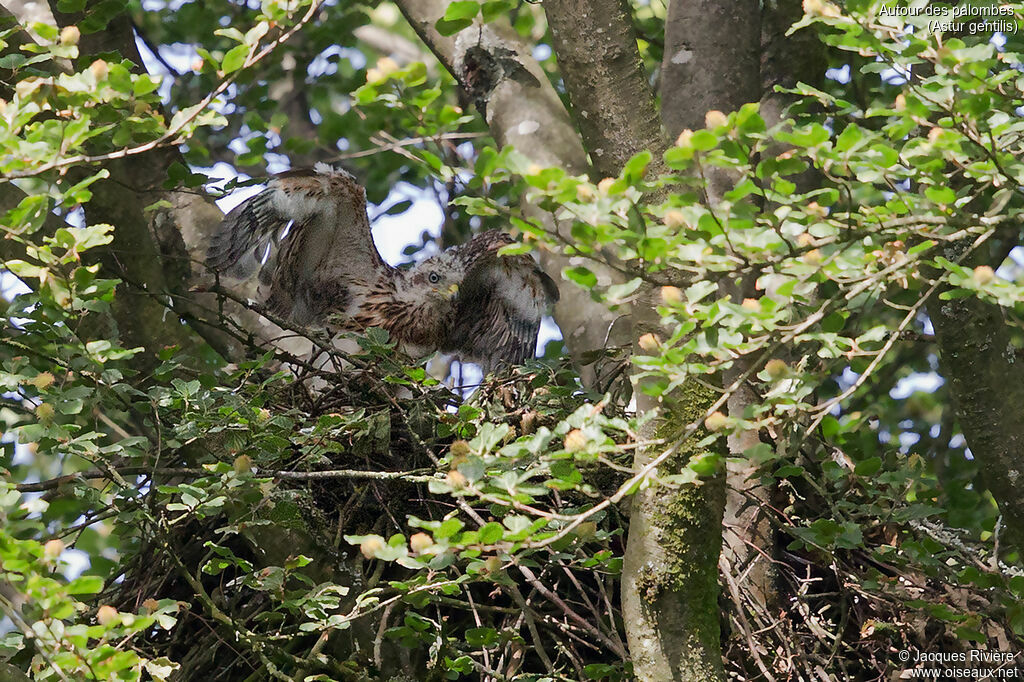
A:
(308, 237)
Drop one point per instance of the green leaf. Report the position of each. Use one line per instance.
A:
(298, 562)
(255, 34)
(598, 671)
(495, 9)
(807, 136)
(462, 9)
(28, 216)
(582, 276)
(399, 207)
(851, 536)
(144, 85)
(868, 467)
(835, 322)
(481, 637)
(23, 269)
(971, 634)
(704, 140)
(446, 28)
(829, 427)
(86, 584)
(706, 464)
(677, 157)
(12, 61)
(940, 195)
(230, 32)
(849, 138)
(235, 58)
(84, 238)
(457, 16)
(789, 471)
(635, 168)
(448, 528)
(491, 533)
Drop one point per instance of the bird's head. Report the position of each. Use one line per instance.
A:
(432, 284)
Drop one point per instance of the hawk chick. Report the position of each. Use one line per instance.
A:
(308, 236)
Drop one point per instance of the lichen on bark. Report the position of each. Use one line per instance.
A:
(672, 557)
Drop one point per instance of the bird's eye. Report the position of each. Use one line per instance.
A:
(434, 278)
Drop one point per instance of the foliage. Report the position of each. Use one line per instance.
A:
(239, 525)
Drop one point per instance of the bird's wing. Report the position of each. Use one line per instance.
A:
(500, 304)
(308, 236)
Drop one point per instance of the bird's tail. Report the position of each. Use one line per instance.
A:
(246, 237)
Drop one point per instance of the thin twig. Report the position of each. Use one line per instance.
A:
(531, 578)
(415, 476)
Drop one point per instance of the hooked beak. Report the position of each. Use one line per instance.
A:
(452, 291)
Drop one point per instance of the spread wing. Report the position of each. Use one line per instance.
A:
(308, 236)
(500, 304)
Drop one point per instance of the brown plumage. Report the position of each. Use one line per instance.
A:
(308, 237)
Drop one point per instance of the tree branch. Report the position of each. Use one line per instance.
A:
(350, 474)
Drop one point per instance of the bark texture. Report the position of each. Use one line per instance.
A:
(422, 15)
(134, 255)
(986, 380)
(521, 108)
(785, 61)
(670, 569)
(712, 59)
(612, 102)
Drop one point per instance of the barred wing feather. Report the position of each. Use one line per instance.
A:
(308, 235)
(501, 303)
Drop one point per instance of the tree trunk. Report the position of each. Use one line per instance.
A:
(749, 541)
(158, 253)
(612, 102)
(670, 568)
(713, 61)
(986, 380)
